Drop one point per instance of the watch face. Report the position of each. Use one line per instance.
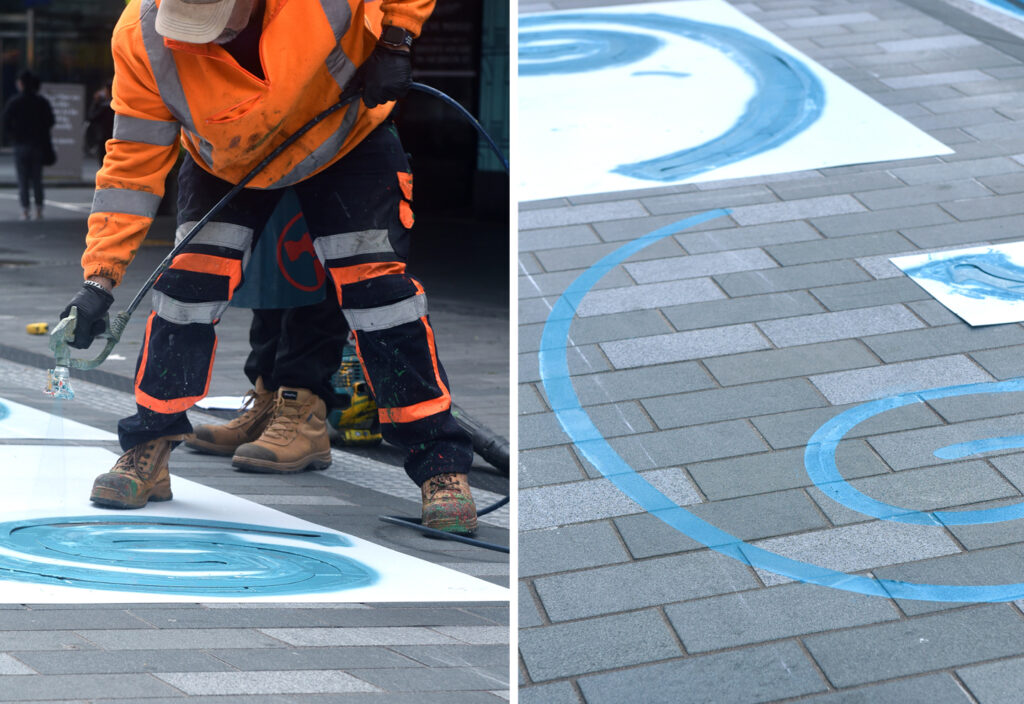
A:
(396, 36)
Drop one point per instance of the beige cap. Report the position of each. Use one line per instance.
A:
(193, 21)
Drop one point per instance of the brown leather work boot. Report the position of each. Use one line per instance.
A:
(138, 476)
(225, 439)
(295, 440)
(448, 504)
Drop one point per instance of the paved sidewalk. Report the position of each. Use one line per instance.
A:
(710, 359)
(406, 652)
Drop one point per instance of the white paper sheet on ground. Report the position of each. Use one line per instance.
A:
(56, 547)
(647, 95)
(22, 422)
(221, 403)
(982, 285)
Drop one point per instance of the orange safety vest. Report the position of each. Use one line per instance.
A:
(168, 92)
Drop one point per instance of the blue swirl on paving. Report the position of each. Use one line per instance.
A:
(787, 100)
(585, 436)
(1014, 7)
(165, 555)
(4, 411)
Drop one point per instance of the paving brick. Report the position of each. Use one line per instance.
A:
(630, 229)
(990, 206)
(761, 674)
(324, 658)
(841, 248)
(611, 420)
(77, 687)
(550, 238)
(774, 471)
(564, 504)
(562, 258)
(580, 214)
(596, 644)
(935, 689)
(569, 548)
(937, 488)
(607, 387)
(753, 367)
(772, 614)
(762, 516)
(957, 409)
(554, 284)
(178, 639)
(741, 310)
(418, 679)
(933, 313)
(869, 294)
(534, 310)
(808, 188)
(890, 379)
(699, 265)
(929, 79)
(281, 682)
(918, 645)
(357, 636)
(44, 620)
(840, 325)
(943, 172)
(530, 401)
(882, 220)
(684, 445)
(854, 548)
(660, 580)
(994, 682)
(839, 18)
(647, 296)
(555, 693)
(647, 536)
(61, 640)
(610, 326)
(1004, 363)
(928, 193)
(12, 666)
(455, 655)
(698, 407)
(94, 662)
(702, 201)
(529, 614)
(820, 206)
(915, 448)
(790, 278)
(549, 465)
(744, 237)
(585, 359)
(1004, 183)
(681, 346)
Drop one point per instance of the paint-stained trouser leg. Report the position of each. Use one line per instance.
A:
(176, 359)
(358, 211)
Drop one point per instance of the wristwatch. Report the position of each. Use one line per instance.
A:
(396, 37)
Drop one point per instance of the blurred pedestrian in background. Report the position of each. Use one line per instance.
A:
(100, 123)
(27, 120)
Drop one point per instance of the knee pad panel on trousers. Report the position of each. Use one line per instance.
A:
(174, 365)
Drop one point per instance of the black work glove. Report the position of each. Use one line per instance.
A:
(385, 76)
(92, 303)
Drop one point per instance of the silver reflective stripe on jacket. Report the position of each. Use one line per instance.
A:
(389, 316)
(175, 311)
(322, 154)
(351, 244)
(339, 15)
(137, 129)
(161, 61)
(125, 200)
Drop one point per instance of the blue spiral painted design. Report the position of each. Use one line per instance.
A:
(4, 411)
(163, 555)
(789, 98)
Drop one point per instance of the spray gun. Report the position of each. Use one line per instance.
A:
(58, 379)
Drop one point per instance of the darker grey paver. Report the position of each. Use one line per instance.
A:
(790, 278)
(841, 248)
(916, 448)
(434, 679)
(696, 265)
(95, 662)
(741, 310)
(569, 548)
(933, 689)
(963, 233)
(596, 644)
(741, 237)
(868, 294)
(548, 465)
(543, 429)
(573, 257)
(795, 429)
(957, 409)
(556, 693)
(759, 674)
(88, 686)
(700, 407)
(1004, 363)
(633, 324)
(490, 656)
(995, 683)
(684, 445)
(607, 387)
(701, 201)
(883, 220)
(804, 360)
(949, 339)
(647, 536)
(929, 193)
(918, 645)
(762, 516)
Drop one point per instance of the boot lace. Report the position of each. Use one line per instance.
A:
(134, 461)
(285, 421)
(253, 409)
(442, 483)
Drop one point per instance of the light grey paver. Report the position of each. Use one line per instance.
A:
(450, 680)
(75, 687)
(681, 346)
(608, 387)
(178, 639)
(944, 340)
(579, 214)
(12, 666)
(891, 379)
(556, 693)
(741, 310)
(357, 636)
(747, 401)
(796, 209)
(696, 265)
(872, 293)
(752, 367)
(840, 325)
(934, 689)
(839, 248)
(791, 278)
(632, 298)
(596, 644)
(266, 682)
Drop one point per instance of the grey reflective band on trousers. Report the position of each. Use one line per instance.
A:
(220, 234)
(136, 129)
(172, 92)
(351, 244)
(389, 316)
(181, 313)
(125, 200)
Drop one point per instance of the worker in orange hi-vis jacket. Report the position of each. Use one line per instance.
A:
(230, 80)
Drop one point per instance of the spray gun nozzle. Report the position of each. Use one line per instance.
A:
(58, 383)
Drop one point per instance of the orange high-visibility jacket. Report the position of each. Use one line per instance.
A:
(168, 92)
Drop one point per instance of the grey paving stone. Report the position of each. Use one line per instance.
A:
(569, 548)
(1005, 363)
(699, 407)
(358, 636)
(596, 644)
(491, 635)
(448, 679)
(582, 359)
(1011, 467)
(534, 310)
(864, 546)
(530, 401)
(838, 248)
(552, 285)
(987, 535)
(549, 465)
(268, 682)
(882, 220)
(995, 565)
(776, 471)
(77, 687)
(978, 208)
(766, 515)
(841, 325)
(178, 639)
(43, 640)
(920, 195)
(93, 662)
(478, 656)
(685, 445)
(629, 229)
(868, 294)
(761, 674)
(929, 79)
(931, 488)
(791, 278)
(545, 507)
(529, 614)
(753, 367)
(682, 346)
(608, 387)
(763, 615)
(647, 296)
(42, 620)
(989, 230)
(957, 409)
(922, 644)
(1004, 183)
(15, 666)
(562, 258)
(934, 689)
(613, 326)
(698, 265)
(945, 172)
(555, 693)
(580, 214)
(796, 209)
(850, 183)
(300, 659)
(890, 379)
(995, 682)
(551, 238)
(745, 237)
(933, 313)
(741, 310)
(647, 536)
(660, 580)
(611, 420)
(915, 448)
(702, 201)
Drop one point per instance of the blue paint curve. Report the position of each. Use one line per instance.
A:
(176, 556)
(787, 100)
(557, 382)
(4, 411)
